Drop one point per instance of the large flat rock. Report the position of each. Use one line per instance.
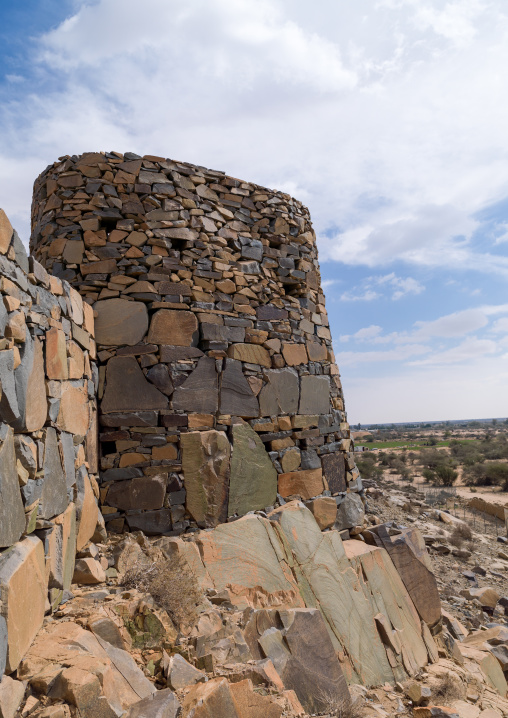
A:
(253, 482)
(280, 394)
(174, 327)
(119, 322)
(236, 396)
(127, 388)
(12, 514)
(23, 589)
(200, 391)
(206, 467)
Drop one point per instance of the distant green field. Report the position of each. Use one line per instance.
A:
(415, 443)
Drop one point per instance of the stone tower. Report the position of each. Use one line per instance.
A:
(218, 388)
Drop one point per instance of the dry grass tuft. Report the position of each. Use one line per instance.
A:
(171, 584)
(447, 690)
(460, 533)
(339, 709)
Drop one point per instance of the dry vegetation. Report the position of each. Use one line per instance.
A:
(447, 690)
(171, 584)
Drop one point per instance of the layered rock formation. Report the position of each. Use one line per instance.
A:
(48, 445)
(218, 384)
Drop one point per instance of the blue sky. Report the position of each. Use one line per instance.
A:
(387, 118)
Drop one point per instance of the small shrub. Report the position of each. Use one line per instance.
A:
(460, 533)
(447, 690)
(171, 584)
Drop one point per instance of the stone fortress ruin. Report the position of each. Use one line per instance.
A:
(218, 387)
(166, 367)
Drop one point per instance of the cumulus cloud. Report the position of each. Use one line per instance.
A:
(372, 287)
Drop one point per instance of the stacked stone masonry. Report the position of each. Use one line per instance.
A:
(48, 443)
(218, 389)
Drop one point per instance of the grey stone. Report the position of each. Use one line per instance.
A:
(314, 395)
(253, 481)
(280, 395)
(127, 388)
(334, 471)
(236, 396)
(12, 513)
(131, 418)
(310, 460)
(181, 674)
(145, 492)
(218, 333)
(30, 383)
(54, 490)
(3, 645)
(350, 513)
(9, 409)
(199, 393)
(150, 522)
(159, 376)
(26, 453)
(20, 252)
(163, 704)
(120, 321)
(128, 472)
(67, 444)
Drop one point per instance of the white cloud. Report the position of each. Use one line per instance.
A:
(367, 296)
(500, 326)
(346, 359)
(367, 333)
(452, 325)
(470, 348)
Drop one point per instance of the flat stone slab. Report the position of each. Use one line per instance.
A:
(205, 465)
(23, 610)
(127, 388)
(281, 394)
(314, 395)
(253, 482)
(236, 396)
(54, 499)
(119, 322)
(200, 391)
(174, 327)
(12, 513)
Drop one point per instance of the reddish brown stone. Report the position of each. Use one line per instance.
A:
(306, 484)
(176, 328)
(56, 355)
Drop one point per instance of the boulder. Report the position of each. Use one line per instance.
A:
(209, 700)
(162, 704)
(334, 471)
(11, 695)
(303, 655)
(119, 322)
(351, 512)
(180, 673)
(253, 482)
(145, 492)
(88, 571)
(205, 465)
(252, 705)
(306, 483)
(324, 510)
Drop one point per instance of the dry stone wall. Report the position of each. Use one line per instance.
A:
(218, 389)
(48, 446)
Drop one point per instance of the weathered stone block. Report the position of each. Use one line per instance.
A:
(251, 353)
(205, 464)
(301, 483)
(120, 321)
(253, 482)
(12, 514)
(314, 395)
(23, 587)
(236, 396)
(54, 499)
(199, 393)
(350, 513)
(334, 470)
(281, 394)
(174, 327)
(146, 492)
(74, 413)
(127, 388)
(56, 354)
